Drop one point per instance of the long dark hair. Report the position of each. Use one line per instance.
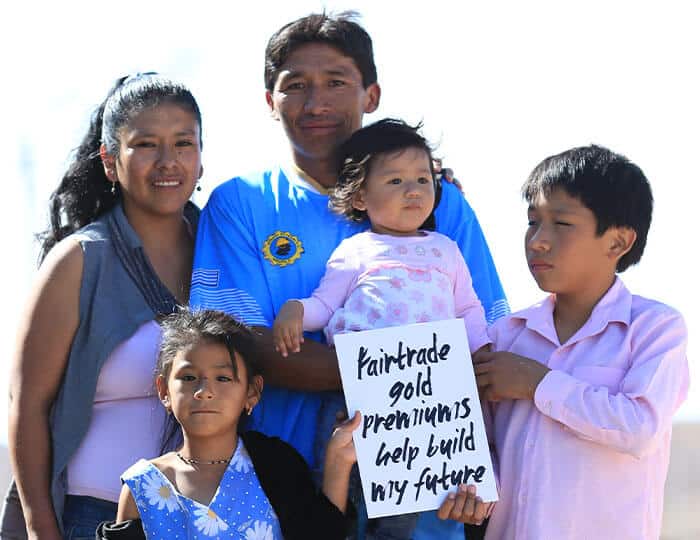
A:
(85, 193)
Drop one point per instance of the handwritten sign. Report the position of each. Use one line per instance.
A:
(422, 432)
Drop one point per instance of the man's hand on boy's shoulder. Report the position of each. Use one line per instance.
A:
(504, 375)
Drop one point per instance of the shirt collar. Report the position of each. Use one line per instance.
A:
(132, 240)
(614, 306)
(128, 233)
(307, 180)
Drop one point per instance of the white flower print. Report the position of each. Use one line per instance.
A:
(208, 522)
(260, 531)
(158, 492)
(241, 460)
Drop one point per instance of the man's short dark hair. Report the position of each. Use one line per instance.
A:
(340, 31)
(608, 184)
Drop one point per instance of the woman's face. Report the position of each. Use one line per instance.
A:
(160, 160)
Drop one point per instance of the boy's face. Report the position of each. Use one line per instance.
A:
(563, 252)
(320, 100)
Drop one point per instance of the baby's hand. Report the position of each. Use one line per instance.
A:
(504, 375)
(341, 449)
(287, 330)
(465, 507)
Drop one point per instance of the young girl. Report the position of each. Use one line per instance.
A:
(396, 273)
(219, 483)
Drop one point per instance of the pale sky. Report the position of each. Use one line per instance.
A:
(498, 85)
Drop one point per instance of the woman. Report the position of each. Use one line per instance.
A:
(118, 253)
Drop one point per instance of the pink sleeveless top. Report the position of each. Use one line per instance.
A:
(127, 418)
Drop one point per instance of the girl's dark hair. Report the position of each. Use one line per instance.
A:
(186, 328)
(356, 155)
(85, 193)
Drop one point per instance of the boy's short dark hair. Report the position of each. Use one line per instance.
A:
(355, 158)
(608, 184)
(339, 31)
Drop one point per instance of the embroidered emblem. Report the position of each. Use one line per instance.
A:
(282, 248)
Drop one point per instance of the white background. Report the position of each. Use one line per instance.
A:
(499, 86)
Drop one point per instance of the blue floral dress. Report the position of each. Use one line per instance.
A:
(239, 509)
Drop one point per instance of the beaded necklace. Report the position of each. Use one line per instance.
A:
(192, 461)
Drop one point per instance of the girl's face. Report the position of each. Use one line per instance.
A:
(159, 160)
(398, 193)
(203, 393)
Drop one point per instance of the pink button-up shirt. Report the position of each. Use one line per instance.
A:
(588, 458)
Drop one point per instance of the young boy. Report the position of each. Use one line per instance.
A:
(583, 432)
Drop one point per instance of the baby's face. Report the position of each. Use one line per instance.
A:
(398, 193)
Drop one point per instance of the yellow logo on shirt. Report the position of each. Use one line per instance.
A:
(282, 248)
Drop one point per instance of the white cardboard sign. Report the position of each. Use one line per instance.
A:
(422, 432)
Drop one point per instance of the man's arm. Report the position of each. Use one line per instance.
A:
(314, 369)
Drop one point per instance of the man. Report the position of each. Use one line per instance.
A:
(266, 237)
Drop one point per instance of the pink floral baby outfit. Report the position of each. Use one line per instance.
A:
(377, 280)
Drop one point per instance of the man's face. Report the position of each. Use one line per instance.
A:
(319, 98)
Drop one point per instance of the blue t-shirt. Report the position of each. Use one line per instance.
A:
(266, 237)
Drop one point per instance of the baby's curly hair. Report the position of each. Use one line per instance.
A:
(355, 158)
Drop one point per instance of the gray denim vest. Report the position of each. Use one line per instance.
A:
(119, 292)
